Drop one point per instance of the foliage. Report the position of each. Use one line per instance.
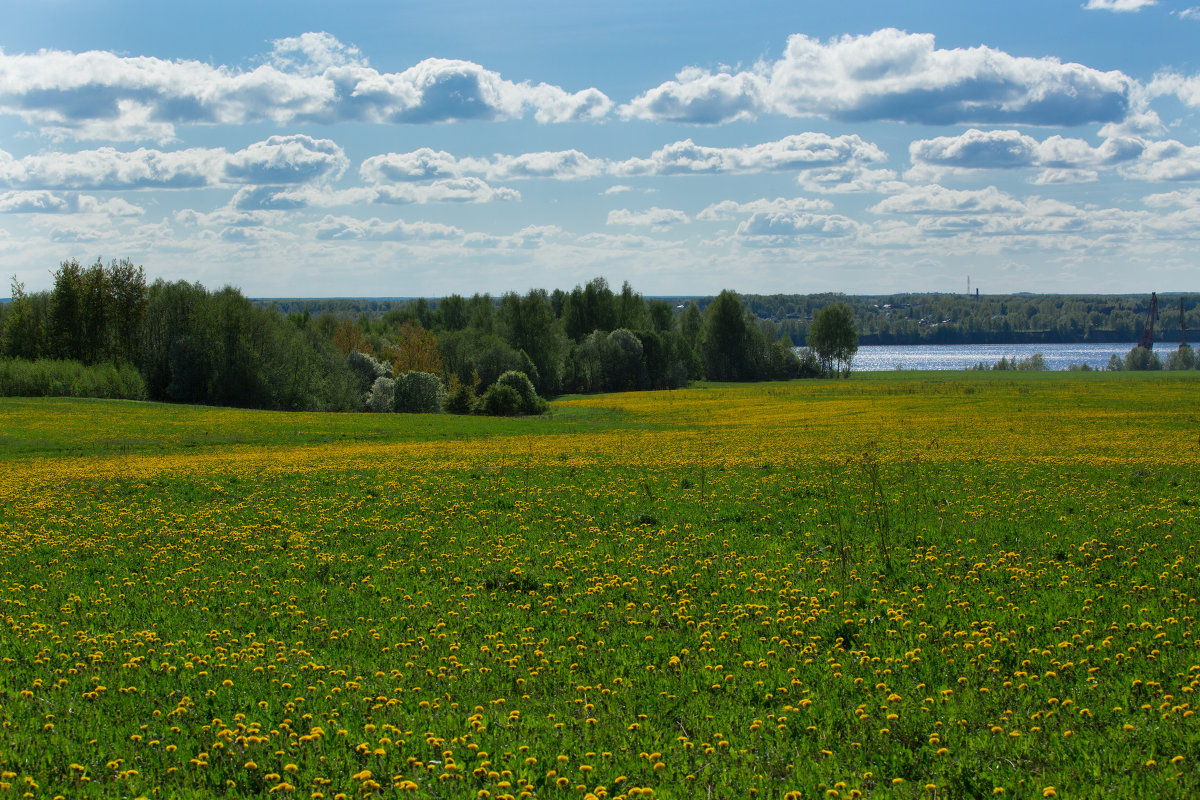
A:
(500, 400)
(55, 378)
(460, 396)
(416, 351)
(366, 370)
(419, 393)
(1140, 359)
(834, 339)
(1182, 358)
(382, 396)
(520, 383)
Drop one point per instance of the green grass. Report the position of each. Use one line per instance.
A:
(741, 584)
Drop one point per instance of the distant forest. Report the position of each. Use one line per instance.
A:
(182, 342)
(901, 318)
(464, 354)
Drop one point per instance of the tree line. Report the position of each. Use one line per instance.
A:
(194, 345)
(904, 319)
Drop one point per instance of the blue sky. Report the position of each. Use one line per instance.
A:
(401, 149)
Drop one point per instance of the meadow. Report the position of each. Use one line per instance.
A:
(897, 585)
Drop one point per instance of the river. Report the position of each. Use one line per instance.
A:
(881, 358)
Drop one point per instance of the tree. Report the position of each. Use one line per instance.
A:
(834, 339)
(417, 351)
(724, 339)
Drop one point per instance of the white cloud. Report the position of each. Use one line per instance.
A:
(894, 75)
(776, 225)
(310, 78)
(1186, 88)
(731, 209)
(348, 228)
(40, 201)
(1190, 13)
(1060, 159)
(700, 97)
(453, 190)
(851, 179)
(1166, 161)
(1119, 5)
(1186, 198)
(935, 199)
(286, 159)
(800, 151)
(617, 189)
(109, 169)
(656, 218)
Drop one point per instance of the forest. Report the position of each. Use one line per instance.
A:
(181, 342)
(480, 354)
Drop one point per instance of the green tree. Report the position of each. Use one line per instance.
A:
(834, 338)
(724, 339)
(24, 331)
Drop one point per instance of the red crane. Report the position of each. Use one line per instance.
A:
(1147, 339)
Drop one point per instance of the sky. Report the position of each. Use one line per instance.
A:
(400, 149)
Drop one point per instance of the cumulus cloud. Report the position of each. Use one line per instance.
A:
(310, 78)
(1185, 87)
(935, 199)
(453, 190)
(348, 228)
(1118, 5)
(1061, 159)
(427, 164)
(893, 75)
(851, 179)
(1166, 161)
(1187, 198)
(279, 160)
(700, 97)
(656, 218)
(1190, 13)
(286, 159)
(528, 238)
(800, 151)
(40, 201)
(731, 209)
(110, 169)
(773, 225)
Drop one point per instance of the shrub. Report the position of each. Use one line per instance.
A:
(499, 401)
(1142, 359)
(53, 378)
(1183, 358)
(1115, 364)
(1035, 363)
(460, 397)
(366, 370)
(382, 396)
(520, 383)
(419, 393)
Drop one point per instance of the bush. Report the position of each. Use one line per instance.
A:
(810, 365)
(1035, 363)
(499, 401)
(1115, 364)
(1183, 358)
(382, 396)
(1141, 359)
(460, 397)
(520, 383)
(366, 370)
(53, 378)
(419, 393)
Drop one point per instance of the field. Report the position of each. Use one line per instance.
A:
(937, 585)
